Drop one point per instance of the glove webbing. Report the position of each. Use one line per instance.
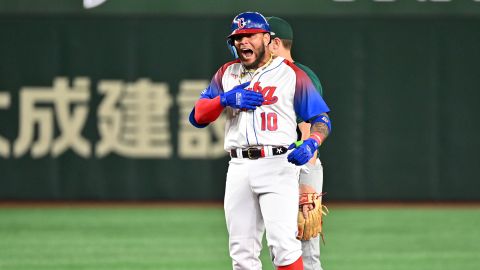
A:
(324, 211)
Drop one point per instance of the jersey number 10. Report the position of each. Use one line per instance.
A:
(269, 121)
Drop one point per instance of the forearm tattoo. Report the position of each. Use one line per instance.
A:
(321, 129)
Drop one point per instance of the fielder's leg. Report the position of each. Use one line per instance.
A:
(311, 248)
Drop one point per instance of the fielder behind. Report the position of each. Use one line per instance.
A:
(311, 180)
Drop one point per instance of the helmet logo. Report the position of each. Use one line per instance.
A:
(241, 23)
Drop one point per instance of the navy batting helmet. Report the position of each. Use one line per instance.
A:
(249, 23)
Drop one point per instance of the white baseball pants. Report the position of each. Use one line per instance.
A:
(262, 195)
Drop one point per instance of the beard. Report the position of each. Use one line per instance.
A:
(261, 55)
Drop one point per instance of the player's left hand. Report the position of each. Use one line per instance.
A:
(303, 151)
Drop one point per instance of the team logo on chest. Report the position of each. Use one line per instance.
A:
(267, 92)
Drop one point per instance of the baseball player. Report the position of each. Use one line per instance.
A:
(311, 180)
(262, 96)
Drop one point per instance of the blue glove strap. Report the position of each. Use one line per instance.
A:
(223, 100)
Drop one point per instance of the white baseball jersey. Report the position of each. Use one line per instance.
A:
(288, 93)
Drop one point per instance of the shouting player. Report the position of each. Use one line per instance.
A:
(262, 97)
(311, 181)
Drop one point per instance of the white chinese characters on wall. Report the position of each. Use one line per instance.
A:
(193, 142)
(132, 121)
(4, 145)
(70, 109)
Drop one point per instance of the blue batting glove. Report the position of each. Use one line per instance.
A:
(303, 151)
(240, 98)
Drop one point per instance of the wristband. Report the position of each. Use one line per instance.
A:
(317, 137)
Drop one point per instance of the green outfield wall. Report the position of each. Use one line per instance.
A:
(229, 7)
(94, 103)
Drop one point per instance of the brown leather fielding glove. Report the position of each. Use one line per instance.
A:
(310, 216)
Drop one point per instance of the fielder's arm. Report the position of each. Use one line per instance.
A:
(320, 128)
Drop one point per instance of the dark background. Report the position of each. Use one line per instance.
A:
(401, 81)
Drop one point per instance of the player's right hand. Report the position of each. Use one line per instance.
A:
(240, 98)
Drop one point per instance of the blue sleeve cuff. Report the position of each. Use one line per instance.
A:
(191, 118)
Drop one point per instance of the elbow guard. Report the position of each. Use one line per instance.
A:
(322, 118)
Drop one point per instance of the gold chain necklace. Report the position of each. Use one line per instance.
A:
(251, 72)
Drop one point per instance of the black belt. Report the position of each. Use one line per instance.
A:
(255, 153)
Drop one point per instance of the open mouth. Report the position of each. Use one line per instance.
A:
(246, 53)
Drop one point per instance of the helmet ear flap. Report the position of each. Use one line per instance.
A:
(231, 48)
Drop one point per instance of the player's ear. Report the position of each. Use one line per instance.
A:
(276, 43)
(267, 39)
